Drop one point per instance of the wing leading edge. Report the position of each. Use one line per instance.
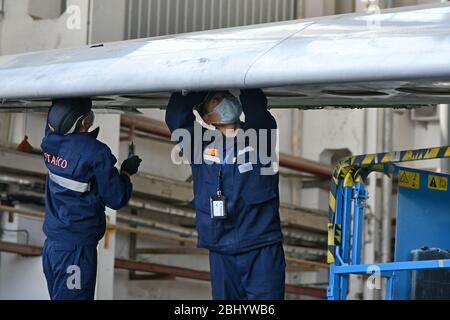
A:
(397, 58)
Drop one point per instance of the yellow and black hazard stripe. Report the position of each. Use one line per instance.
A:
(334, 238)
(381, 162)
(400, 156)
(342, 170)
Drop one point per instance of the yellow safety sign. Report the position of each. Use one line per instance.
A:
(409, 179)
(437, 183)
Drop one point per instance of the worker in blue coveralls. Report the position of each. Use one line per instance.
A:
(81, 181)
(236, 194)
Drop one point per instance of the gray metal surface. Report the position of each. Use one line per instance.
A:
(340, 60)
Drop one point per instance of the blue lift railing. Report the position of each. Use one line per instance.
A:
(347, 202)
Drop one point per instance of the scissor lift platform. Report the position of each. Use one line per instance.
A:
(423, 220)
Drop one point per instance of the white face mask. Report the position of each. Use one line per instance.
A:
(229, 110)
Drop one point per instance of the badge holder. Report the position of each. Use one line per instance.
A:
(218, 206)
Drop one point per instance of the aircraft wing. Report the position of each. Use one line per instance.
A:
(398, 58)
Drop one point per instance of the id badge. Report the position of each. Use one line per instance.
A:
(218, 207)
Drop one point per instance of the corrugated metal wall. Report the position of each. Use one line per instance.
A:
(149, 18)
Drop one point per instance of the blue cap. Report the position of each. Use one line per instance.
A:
(65, 114)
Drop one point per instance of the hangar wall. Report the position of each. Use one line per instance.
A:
(315, 135)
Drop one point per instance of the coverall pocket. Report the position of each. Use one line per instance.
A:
(255, 197)
(259, 215)
(202, 197)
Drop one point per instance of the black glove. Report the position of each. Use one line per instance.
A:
(131, 165)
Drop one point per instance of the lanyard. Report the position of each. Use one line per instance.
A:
(222, 167)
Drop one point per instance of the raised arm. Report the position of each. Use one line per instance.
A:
(179, 110)
(254, 105)
(179, 115)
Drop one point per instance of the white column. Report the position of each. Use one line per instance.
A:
(444, 122)
(372, 213)
(296, 141)
(109, 134)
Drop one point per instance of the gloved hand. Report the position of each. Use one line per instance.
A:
(130, 165)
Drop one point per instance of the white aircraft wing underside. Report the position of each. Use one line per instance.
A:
(398, 58)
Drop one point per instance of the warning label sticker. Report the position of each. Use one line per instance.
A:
(437, 183)
(409, 179)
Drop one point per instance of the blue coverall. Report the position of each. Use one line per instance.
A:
(246, 254)
(82, 180)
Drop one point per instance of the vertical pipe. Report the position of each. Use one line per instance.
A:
(358, 220)
(105, 269)
(346, 218)
(2, 15)
(386, 198)
(345, 240)
(387, 189)
(297, 119)
(390, 287)
(296, 147)
(334, 289)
